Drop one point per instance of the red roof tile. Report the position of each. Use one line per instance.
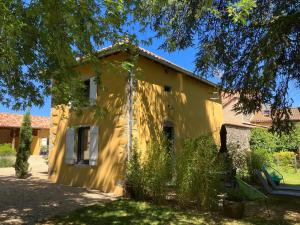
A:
(260, 117)
(15, 120)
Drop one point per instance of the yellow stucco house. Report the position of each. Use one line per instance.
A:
(89, 151)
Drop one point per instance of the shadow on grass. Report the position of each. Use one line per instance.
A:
(131, 212)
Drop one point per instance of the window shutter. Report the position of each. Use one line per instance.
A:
(93, 90)
(70, 138)
(94, 131)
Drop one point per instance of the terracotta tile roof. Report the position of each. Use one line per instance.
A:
(15, 120)
(261, 117)
(112, 49)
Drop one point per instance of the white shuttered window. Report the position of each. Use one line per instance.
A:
(93, 90)
(70, 144)
(94, 134)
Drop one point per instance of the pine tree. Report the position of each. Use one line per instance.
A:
(23, 152)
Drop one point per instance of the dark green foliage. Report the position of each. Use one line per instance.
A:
(263, 139)
(7, 150)
(198, 173)
(41, 41)
(24, 149)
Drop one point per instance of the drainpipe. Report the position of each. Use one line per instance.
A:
(130, 114)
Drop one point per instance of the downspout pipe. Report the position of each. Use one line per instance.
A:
(130, 114)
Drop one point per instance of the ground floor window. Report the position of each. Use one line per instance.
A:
(83, 145)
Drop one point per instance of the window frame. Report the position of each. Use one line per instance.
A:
(167, 89)
(78, 150)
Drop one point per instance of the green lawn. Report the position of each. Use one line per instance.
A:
(290, 176)
(126, 211)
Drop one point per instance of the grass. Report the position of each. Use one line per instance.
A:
(290, 176)
(7, 161)
(126, 211)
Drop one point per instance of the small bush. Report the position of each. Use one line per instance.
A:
(157, 170)
(284, 158)
(134, 176)
(259, 158)
(197, 173)
(262, 139)
(7, 150)
(239, 160)
(7, 161)
(148, 178)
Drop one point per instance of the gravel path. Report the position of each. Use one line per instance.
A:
(34, 199)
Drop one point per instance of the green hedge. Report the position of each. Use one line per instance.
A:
(265, 140)
(7, 150)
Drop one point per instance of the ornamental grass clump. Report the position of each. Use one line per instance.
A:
(198, 173)
(7, 155)
(148, 174)
(23, 153)
(157, 170)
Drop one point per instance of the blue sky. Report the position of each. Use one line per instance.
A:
(184, 59)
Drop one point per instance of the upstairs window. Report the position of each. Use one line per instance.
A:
(167, 88)
(87, 89)
(90, 90)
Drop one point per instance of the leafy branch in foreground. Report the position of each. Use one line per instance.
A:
(41, 41)
(253, 45)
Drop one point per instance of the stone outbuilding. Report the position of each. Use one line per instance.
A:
(236, 128)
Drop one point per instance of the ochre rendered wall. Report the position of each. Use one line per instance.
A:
(112, 137)
(188, 107)
(37, 140)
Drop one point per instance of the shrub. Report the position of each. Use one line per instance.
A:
(197, 173)
(6, 161)
(134, 176)
(259, 158)
(284, 158)
(238, 158)
(157, 170)
(148, 178)
(23, 153)
(7, 150)
(262, 139)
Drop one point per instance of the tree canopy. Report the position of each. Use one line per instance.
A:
(253, 46)
(41, 41)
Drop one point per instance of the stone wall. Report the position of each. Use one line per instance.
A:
(238, 136)
(238, 146)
